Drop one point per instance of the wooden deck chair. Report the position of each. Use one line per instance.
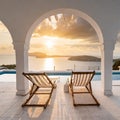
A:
(82, 81)
(38, 80)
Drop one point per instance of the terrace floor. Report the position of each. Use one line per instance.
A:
(60, 106)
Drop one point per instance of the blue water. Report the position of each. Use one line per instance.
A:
(115, 74)
(7, 72)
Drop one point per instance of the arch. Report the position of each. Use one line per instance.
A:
(84, 16)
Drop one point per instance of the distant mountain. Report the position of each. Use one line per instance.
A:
(10, 66)
(74, 58)
(38, 54)
(43, 55)
(84, 58)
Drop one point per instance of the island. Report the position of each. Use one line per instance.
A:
(10, 66)
(116, 62)
(74, 58)
(43, 55)
(84, 58)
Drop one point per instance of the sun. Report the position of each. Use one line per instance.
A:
(49, 41)
(49, 44)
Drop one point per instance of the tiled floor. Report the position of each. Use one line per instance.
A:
(60, 106)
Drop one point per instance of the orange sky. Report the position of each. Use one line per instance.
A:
(66, 35)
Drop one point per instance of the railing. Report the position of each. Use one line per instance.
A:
(79, 67)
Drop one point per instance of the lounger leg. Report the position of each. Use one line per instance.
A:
(49, 98)
(97, 103)
(90, 91)
(71, 88)
(31, 95)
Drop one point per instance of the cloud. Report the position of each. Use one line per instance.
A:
(36, 45)
(66, 26)
(6, 49)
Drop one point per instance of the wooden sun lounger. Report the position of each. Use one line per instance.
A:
(82, 80)
(39, 81)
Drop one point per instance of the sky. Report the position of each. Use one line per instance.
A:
(59, 35)
(6, 46)
(65, 35)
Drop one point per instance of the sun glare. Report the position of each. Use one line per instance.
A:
(49, 41)
(49, 44)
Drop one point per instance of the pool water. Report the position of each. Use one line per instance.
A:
(97, 76)
(115, 74)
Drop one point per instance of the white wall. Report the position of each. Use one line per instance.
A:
(20, 15)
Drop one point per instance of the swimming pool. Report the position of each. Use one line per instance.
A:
(7, 71)
(115, 74)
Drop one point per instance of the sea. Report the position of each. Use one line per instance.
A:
(56, 63)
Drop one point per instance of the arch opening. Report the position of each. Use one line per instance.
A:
(116, 55)
(6, 46)
(7, 53)
(51, 33)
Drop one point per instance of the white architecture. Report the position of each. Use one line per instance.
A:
(21, 17)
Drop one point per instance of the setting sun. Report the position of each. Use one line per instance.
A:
(49, 44)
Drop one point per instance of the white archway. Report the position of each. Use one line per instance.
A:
(65, 11)
(75, 12)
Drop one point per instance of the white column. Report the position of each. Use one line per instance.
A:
(106, 64)
(21, 66)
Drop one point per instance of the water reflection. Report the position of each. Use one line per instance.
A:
(49, 64)
(60, 64)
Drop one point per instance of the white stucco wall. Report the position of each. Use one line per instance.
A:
(20, 15)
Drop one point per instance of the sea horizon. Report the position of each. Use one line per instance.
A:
(55, 63)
